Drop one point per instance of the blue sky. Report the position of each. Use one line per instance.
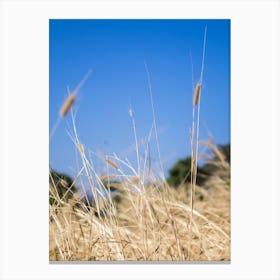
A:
(115, 51)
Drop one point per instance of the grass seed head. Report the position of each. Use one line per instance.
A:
(67, 105)
(112, 164)
(80, 148)
(106, 177)
(196, 94)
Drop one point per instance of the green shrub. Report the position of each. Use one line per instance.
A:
(62, 185)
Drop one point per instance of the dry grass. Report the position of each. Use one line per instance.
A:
(148, 220)
(150, 223)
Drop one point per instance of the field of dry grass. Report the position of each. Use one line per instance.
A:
(150, 222)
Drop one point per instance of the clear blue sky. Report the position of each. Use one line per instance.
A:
(116, 50)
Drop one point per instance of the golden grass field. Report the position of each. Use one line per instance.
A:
(150, 223)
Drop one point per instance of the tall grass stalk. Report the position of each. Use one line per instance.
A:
(164, 194)
(195, 136)
(154, 119)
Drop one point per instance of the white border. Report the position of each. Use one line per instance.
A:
(254, 131)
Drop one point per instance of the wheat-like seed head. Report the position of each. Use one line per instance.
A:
(112, 164)
(67, 105)
(196, 94)
(106, 177)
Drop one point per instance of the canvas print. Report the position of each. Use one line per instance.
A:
(139, 140)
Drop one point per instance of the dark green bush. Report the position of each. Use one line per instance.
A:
(63, 184)
(180, 173)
